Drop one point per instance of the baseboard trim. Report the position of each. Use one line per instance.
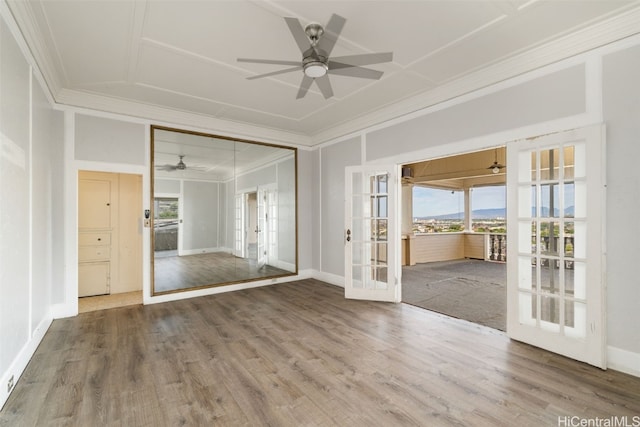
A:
(623, 361)
(22, 359)
(332, 279)
(308, 273)
(282, 265)
(201, 251)
(60, 311)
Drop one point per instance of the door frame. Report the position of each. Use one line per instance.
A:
(491, 141)
(592, 347)
(114, 176)
(393, 290)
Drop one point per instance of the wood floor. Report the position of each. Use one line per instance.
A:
(192, 271)
(103, 302)
(299, 354)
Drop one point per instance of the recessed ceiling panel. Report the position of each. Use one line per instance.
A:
(530, 27)
(398, 86)
(220, 30)
(194, 76)
(411, 29)
(92, 38)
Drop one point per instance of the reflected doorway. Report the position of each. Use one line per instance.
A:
(166, 226)
(251, 226)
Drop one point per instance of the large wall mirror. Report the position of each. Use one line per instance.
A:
(224, 211)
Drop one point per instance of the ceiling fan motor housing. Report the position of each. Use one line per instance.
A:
(315, 65)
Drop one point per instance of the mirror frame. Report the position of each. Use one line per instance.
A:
(153, 128)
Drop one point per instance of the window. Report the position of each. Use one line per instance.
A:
(489, 209)
(437, 211)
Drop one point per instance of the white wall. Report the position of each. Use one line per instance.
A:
(333, 160)
(548, 97)
(621, 108)
(30, 202)
(311, 186)
(109, 141)
(200, 216)
(286, 181)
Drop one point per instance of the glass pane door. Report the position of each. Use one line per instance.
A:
(370, 234)
(261, 228)
(554, 277)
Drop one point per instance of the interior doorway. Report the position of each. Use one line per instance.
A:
(454, 236)
(109, 239)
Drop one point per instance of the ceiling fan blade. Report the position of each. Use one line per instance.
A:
(275, 73)
(325, 86)
(268, 61)
(304, 86)
(298, 34)
(365, 58)
(166, 168)
(331, 33)
(349, 71)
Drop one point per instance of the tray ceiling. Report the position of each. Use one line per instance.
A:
(176, 60)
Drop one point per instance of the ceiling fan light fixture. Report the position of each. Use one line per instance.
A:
(315, 69)
(496, 167)
(181, 166)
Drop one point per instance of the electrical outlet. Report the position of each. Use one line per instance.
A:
(10, 384)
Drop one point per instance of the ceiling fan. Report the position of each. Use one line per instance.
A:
(496, 167)
(316, 43)
(181, 166)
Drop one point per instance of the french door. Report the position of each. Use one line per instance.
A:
(555, 272)
(261, 227)
(370, 233)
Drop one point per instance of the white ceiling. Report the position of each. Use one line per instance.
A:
(176, 60)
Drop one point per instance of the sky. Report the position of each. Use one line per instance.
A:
(431, 202)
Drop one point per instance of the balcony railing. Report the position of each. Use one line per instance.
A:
(431, 247)
(497, 247)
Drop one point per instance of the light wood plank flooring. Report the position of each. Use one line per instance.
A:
(103, 302)
(299, 354)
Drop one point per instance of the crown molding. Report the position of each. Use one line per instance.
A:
(24, 17)
(176, 118)
(579, 42)
(587, 39)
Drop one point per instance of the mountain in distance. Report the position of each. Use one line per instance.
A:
(493, 214)
(476, 214)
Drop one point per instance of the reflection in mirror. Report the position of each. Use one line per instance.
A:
(224, 211)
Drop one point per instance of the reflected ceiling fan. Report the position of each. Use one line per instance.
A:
(316, 43)
(180, 166)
